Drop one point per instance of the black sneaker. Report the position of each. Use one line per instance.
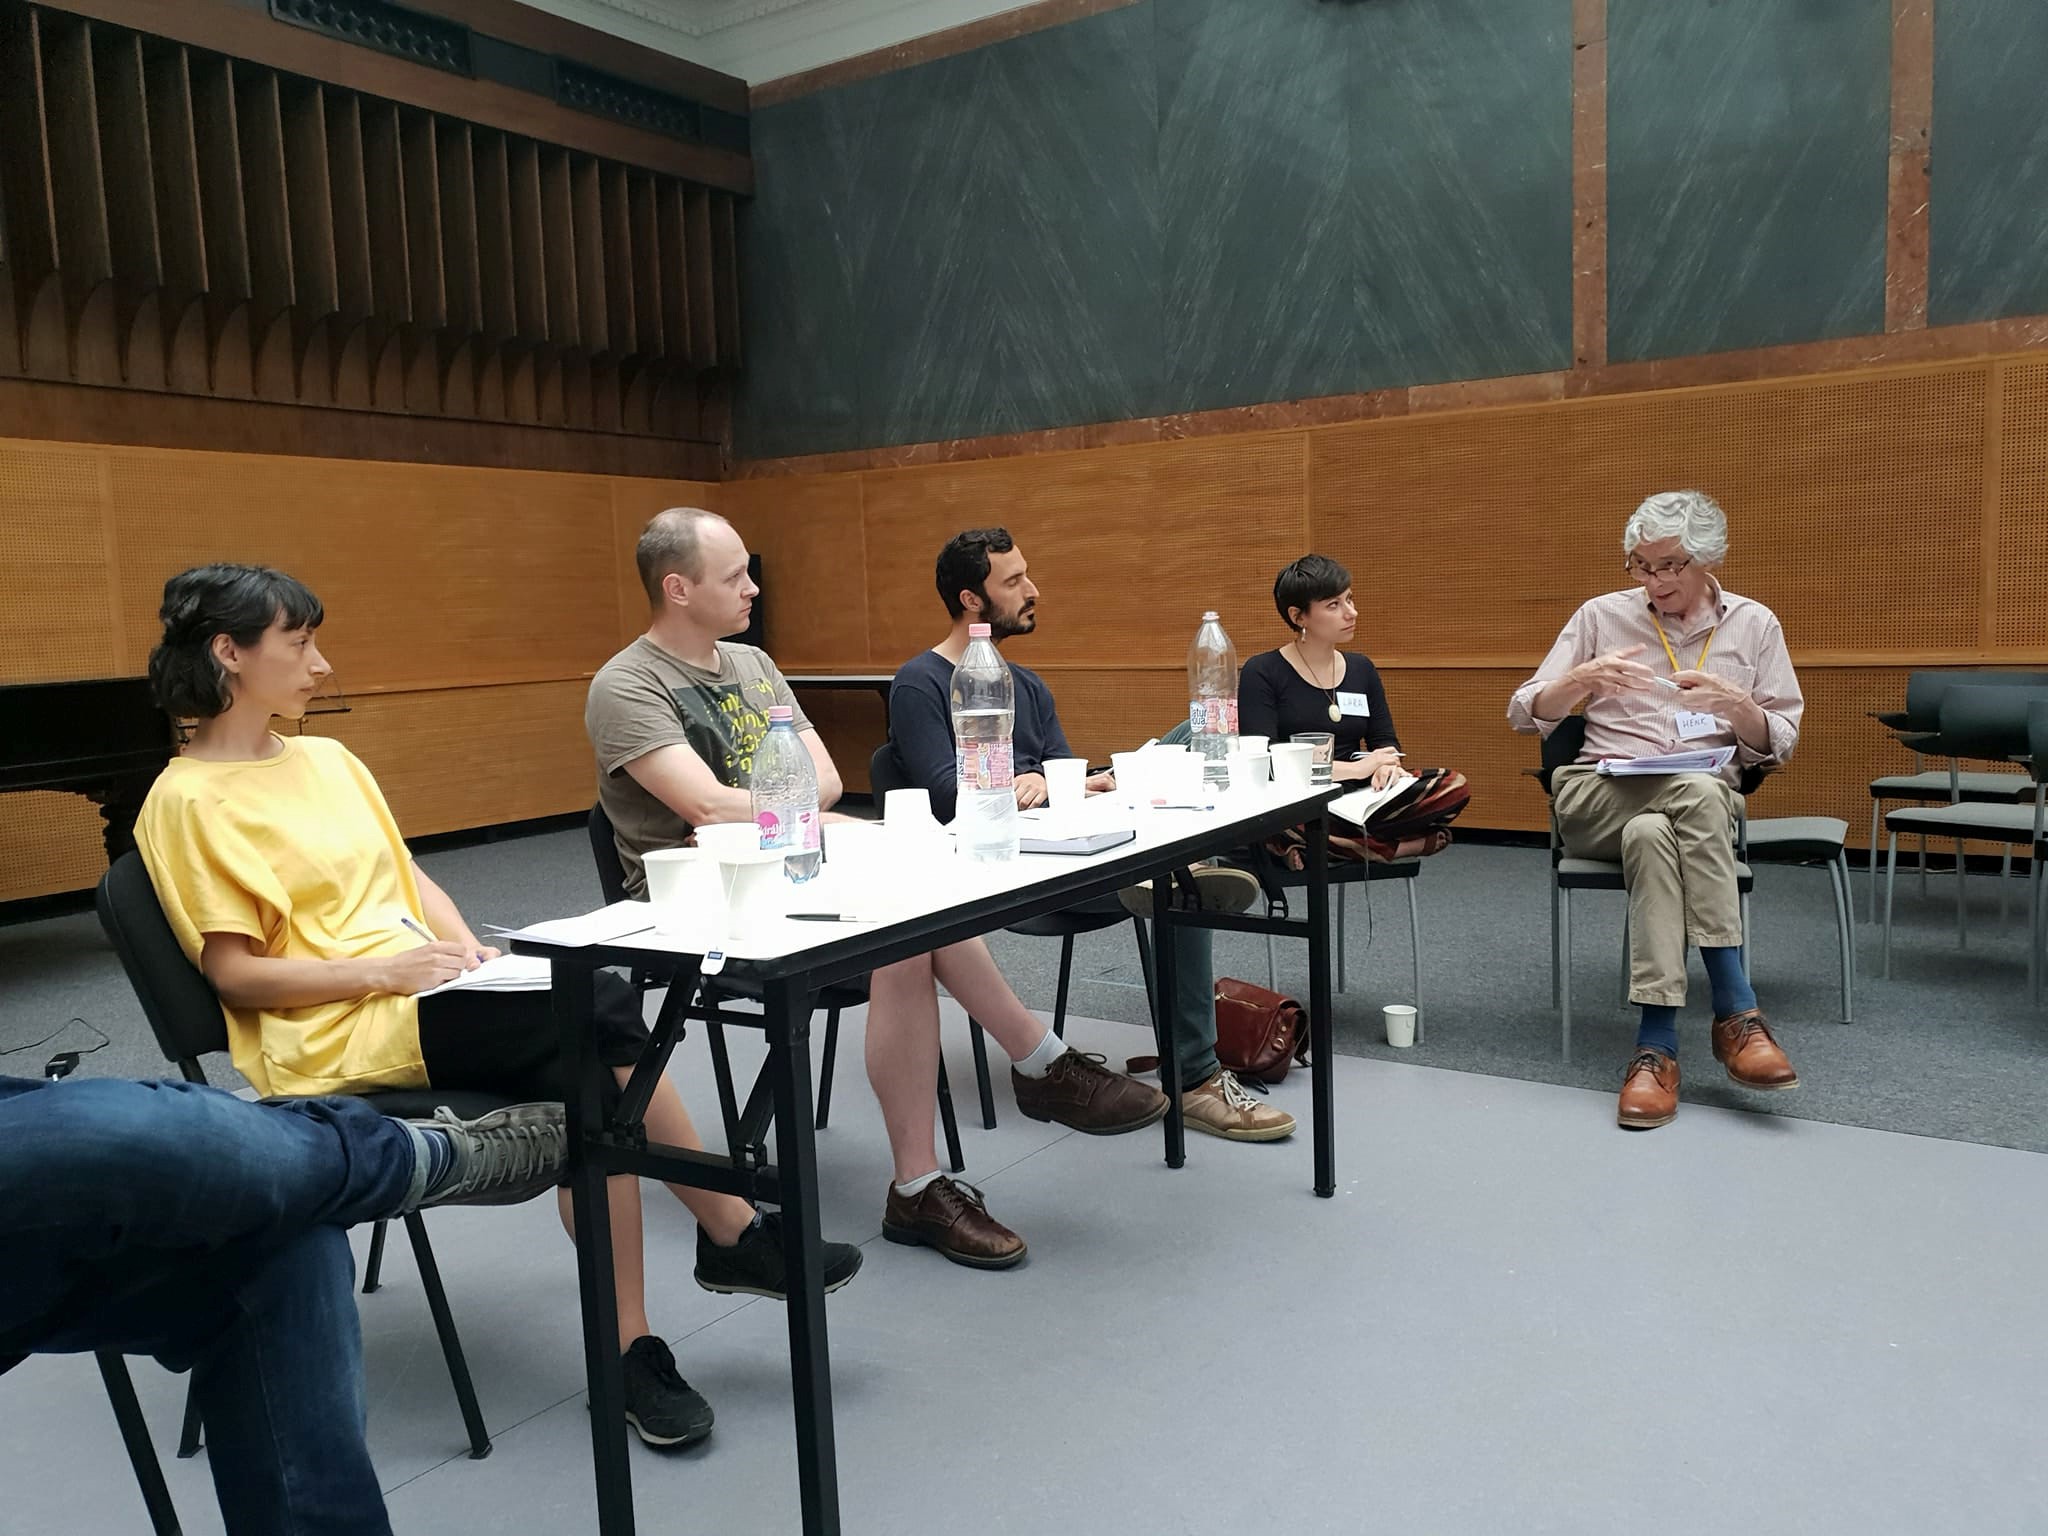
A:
(663, 1408)
(502, 1158)
(753, 1265)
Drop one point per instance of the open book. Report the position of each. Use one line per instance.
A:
(1707, 760)
(1362, 805)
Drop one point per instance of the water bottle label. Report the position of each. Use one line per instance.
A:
(771, 829)
(1212, 717)
(984, 765)
(799, 833)
(807, 831)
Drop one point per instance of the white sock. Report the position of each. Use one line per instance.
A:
(916, 1186)
(1040, 1061)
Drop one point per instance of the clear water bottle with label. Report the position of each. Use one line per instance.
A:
(1212, 698)
(984, 713)
(785, 794)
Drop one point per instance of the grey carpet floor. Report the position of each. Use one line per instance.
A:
(1949, 1047)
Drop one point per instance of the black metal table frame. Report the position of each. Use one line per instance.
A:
(598, 1149)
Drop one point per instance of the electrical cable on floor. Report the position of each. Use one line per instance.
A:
(49, 1068)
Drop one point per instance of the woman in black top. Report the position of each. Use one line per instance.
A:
(1309, 684)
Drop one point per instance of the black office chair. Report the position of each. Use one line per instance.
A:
(185, 1014)
(885, 773)
(611, 880)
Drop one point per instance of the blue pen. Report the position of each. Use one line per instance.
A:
(416, 928)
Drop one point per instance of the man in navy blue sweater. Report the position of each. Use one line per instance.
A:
(983, 579)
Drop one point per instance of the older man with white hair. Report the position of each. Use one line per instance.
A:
(1674, 663)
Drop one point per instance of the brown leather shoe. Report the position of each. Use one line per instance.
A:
(954, 1219)
(1081, 1093)
(1649, 1092)
(1223, 1107)
(1743, 1044)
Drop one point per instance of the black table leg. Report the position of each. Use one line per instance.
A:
(1320, 1033)
(787, 1006)
(1163, 963)
(573, 990)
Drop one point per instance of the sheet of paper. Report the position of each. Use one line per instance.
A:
(1695, 723)
(1710, 760)
(507, 973)
(601, 926)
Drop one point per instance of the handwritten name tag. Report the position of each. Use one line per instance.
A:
(1354, 704)
(1693, 724)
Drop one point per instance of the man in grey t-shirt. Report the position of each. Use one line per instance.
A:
(675, 719)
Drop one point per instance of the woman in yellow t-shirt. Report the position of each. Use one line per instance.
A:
(288, 884)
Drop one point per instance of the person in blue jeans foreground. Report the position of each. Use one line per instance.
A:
(177, 1220)
(983, 579)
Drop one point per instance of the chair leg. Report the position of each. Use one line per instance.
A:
(2038, 929)
(1340, 938)
(1891, 876)
(948, 1123)
(1555, 1000)
(373, 1270)
(1845, 936)
(451, 1342)
(149, 1472)
(1059, 1004)
(1962, 925)
(2004, 880)
(1923, 863)
(1842, 863)
(983, 1086)
(1876, 805)
(1564, 973)
(1272, 966)
(1415, 956)
(825, 1067)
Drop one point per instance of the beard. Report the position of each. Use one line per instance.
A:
(1001, 626)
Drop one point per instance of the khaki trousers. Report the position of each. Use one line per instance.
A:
(1675, 838)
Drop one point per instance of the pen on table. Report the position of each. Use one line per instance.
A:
(826, 917)
(416, 928)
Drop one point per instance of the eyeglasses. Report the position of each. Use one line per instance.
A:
(1663, 568)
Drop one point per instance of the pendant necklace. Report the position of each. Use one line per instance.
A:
(1336, 714)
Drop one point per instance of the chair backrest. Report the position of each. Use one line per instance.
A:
(2037, 738)
(886, 772)
(604, 852)
(1990, 722)
(1926, 690)
(179, 1002)
(1561, 748)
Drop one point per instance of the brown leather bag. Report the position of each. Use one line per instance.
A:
(1259, 1033)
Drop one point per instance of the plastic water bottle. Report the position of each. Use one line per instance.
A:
(1212, 698)
(984, 713)
(785, 794)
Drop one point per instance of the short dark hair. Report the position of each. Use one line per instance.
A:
(672, 541)
(963, 565)
(1310, 580)
(239, 601)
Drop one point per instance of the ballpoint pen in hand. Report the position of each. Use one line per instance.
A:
(416, 928)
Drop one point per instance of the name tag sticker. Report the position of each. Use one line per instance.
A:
(1693, 724)
(1354, 704)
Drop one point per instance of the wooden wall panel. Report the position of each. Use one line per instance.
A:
(2019, 552)
(633, 503)
(51, 842)
(55, 594)
(814, 577)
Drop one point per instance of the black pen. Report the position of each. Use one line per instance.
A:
(826, 917)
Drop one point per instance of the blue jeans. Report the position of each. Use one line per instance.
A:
(175, 1220)
(1194, 1004)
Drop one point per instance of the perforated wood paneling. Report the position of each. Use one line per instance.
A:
(2022, 551)
(1128, 545)
(48, 843)
(469, 757)
(814, 575)
(430, 575)
(1113, 709)
(1481, 531)
(56, 618)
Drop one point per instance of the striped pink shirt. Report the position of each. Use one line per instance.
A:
(1743, 642)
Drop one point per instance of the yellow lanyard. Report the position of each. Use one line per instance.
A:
(1674, 655)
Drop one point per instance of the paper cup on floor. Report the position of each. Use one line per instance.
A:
(1293, 761)
(683, 888)
(722, 837)
(1400, 1024)
(1066, 782)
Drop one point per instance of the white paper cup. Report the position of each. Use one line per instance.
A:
(1133, 776)
(1178, 779)
(1250, 770)
(1293, 762)
(754, 889)
(1400, 1024)
(1066, 782)
(722, 837)
(1250, 745)
(683, 887)
(856, 847)
(901, 807)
